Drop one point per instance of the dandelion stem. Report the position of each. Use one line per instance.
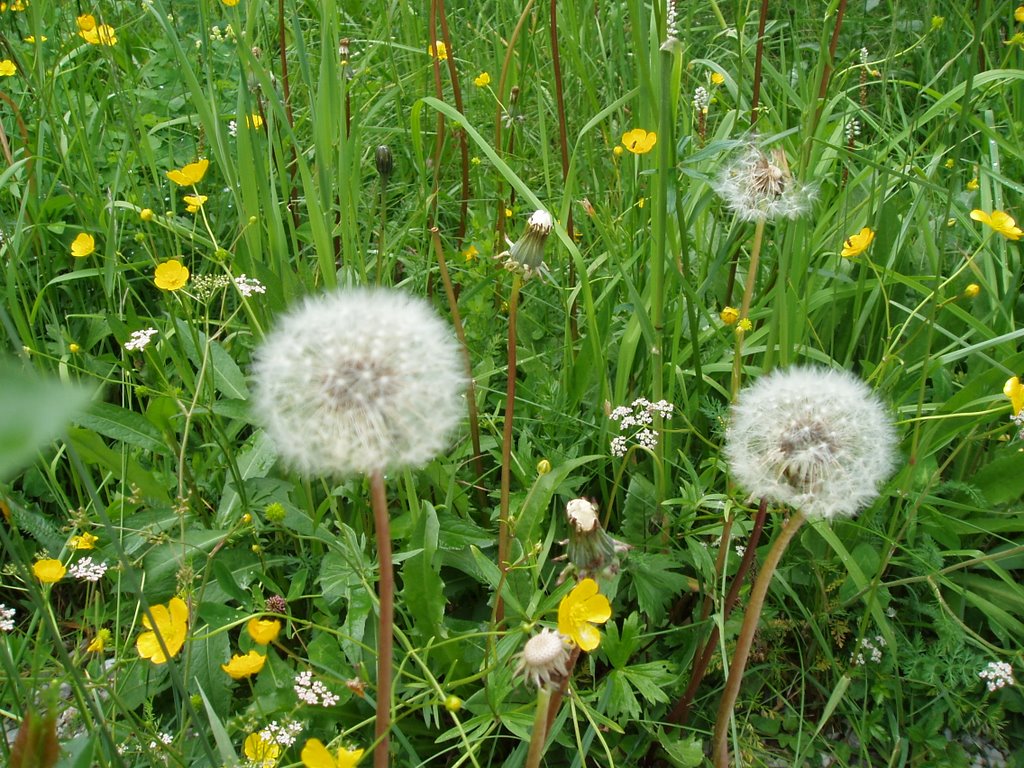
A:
(758, 55)
(750, 621)
(385, 633)
(453, 74)
(539, 736)
(506, 439)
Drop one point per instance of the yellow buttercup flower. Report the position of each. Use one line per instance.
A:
(83, 245)
(438, 50)
(972, 290)
(263, 631)
(99, 642)
(973, 185)
(194, 202)
(1013, 390)
(95, 34)
(49, 571)
(230, 3)
(244, 666)
(84, 541)
(190, 175)
(855, 245)
(74, 348)
(580, 610)
(146, 214)
(470, 253)
(86, 22)
(1001, 222)
(316, 755)
(8, 68)
(1018, 14)
(32, 39)
(729, 315)
(638, 141)
(262, 752)
(744, 325)
(170, 622)
(717, 78)
(171, 275)
(482, 80)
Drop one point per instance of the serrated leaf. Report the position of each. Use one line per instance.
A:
(122, 425)
(655, 582)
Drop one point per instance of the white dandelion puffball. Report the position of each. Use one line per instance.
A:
(359, 381)
(759, 186)
(813, 438)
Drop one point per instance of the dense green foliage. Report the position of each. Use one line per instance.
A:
(913, 120)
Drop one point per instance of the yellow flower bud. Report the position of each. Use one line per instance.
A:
(729, 315)
(543, 467)
(972, 290)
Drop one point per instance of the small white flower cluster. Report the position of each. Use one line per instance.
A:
(162, 738)
(1018, 421)
(140, 339)
(88, 570)
(284, 734)
(741, 550)
(6, 618)
(852, 129)
(217, 36)
(701, 99)
(864, 56)
(873, 649)
(248, 286)
(638, 417)
(997, 674)
(313, 692)
(232, 128)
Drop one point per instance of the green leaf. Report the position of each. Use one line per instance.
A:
(33, 411)
(423, 590)
(207, 650)
(228, 378)
(682, 753)
(655, 582)
(1002, 479)
(124, 426)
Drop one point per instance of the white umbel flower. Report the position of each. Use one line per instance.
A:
(359, 381)
(813, 438)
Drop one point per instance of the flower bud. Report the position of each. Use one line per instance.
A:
(385, 161)
(591, 551)
(526, 255)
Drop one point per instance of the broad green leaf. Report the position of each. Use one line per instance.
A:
(423, 590)
(122, 425)
(228, 378)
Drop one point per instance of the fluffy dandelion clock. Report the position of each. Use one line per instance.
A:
(359, 381)
(813, 438)
(757, 186)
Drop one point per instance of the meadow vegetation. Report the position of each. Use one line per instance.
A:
(443, 383)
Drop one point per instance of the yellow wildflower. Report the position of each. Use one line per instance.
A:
(855, 245)
(729, 315)
(255, 120)
(85, 540)
(49, 571)
(98, 34)
(32, 39)
(438, 50)
(170, 622)
(171, 275)
(244, 666)
(617, 151)
(1000, 221)
(189, 175)
(638, 141)
(482, 80)
(263, 631)
(1013, 390)
(717, 78)
(230, 3)
(86, 22)
(74, 348)
(316, 755)
(972, 290)
(744, 325)
(1018, 14)
(8, 68)
(973, 185)
(83, 245)
(194, 202)
(99, 642)
(580, 610)
(471, 253)
(146, 214)
(262, 752)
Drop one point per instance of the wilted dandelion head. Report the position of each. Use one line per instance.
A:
(544, 659)
(813, 438)
(359, 381)
(759, 186)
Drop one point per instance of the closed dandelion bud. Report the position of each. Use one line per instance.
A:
(359, 381)
(544, 660)
(526, 255)
(815, 439)
(384, 161)
(591, 551)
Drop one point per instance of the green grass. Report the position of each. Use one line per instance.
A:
(170, 468)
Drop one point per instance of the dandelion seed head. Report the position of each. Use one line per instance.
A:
(544, 659)
(359, 381)
(755, 186)
(813, 438)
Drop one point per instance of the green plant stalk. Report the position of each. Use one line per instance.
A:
(748, 292)
(474, 421)
(540, 728)
(386, 626)
(383, 224)
(506, 440)
(746, 637)
(453, 74)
